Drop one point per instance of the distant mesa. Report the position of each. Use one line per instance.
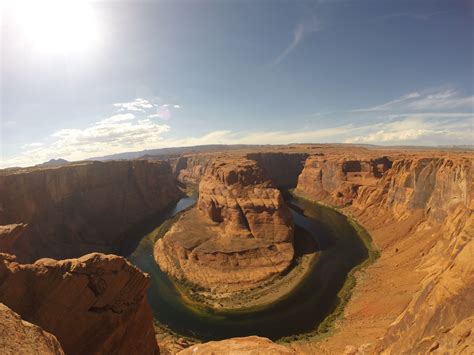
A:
(53, 162)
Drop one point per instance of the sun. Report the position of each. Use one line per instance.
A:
(57, 26)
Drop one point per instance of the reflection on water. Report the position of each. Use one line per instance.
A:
(301, 312)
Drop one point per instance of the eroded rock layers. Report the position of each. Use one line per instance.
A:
(337, 179)
(94, 304)
(439, 192)
(240, 234)
(419, 203)
(76, 209)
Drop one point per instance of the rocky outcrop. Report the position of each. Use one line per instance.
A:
(282, 168)
(247, 345)
(336, 179)
(240, 234)
(76, 209)
(94, 304)
(20, 337)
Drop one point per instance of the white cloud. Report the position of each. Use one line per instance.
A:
(176, 106)
(419, 129)
(111, 135)
(301, 30)
(138, 105)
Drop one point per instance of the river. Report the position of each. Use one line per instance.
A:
(300, 312)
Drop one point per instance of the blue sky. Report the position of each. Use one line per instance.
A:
(103, 77)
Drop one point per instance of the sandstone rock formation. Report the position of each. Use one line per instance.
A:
(94, 304)
(335, 179)
(20, 337)
(239, 346)
(420, 214)
(240, 234)
(76, 209)
(439, 192)
(190, 169)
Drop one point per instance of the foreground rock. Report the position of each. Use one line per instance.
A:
(239, 346)
(76, 209)
(94, 304)
(20, 337)
(240, 234)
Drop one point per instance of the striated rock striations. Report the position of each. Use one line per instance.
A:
(418, 297)
(190, 169)
(336, 179)
(20, 337)
(240, 234)
(94, 304)
(76, 209)
(435, 196)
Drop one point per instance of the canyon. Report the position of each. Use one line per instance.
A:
(72, 210)
(417, 206)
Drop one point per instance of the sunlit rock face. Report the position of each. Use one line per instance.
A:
(21, 337)
(425, 202)
(439, 192)
(434, 185)
(336, 179)
(94, 304)
(240, 233)
(76, 209)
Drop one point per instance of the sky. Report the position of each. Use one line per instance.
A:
(89, 78)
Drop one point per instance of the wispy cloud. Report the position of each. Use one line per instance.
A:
(301, 30)
(445, 99)
(419, 129)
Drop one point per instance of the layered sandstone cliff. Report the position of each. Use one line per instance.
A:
(94, 304)
(435, 196)
(418, 297)
(76, 209)
(240, 234)
(336, 179)
(190, 169)
(20, 337)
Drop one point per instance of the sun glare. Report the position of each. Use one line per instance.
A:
(57, 26)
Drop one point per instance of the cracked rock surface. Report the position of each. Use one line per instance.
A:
(94, 304)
